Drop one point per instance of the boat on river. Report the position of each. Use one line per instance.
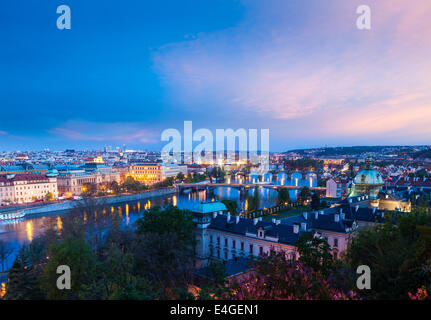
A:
(4, 216)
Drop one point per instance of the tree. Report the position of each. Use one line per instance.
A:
(315, 253)
(396, 254)
(283, 196)
(23, 281)
(232, 206)
(75, 253)
(315, 201)
(304, 194)
(168, 220)
(49, 196)
(180, 176)
(164, 247)
(253, 201)
(115, 187)
(275, 277)
(89, 189)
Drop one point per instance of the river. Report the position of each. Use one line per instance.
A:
(18, 232)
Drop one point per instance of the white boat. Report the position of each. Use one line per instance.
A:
(11, 215)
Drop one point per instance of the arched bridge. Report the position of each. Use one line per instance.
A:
(242, 187)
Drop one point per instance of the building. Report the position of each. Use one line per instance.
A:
(71, 178)
(150, 173)
(147, 173)
(220, 236)
(23, 188)
(24, 168)
(337, 187)
(172, 170)
(367, 182)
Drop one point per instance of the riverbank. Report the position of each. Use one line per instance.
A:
(108, 200)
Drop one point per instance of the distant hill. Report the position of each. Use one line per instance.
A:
(356, 150)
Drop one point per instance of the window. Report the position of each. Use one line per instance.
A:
(233, 244)
(261, 251)
(336, 242)
(211, 238)
(251, 249)
(225, 242)
(225, 255)
(218, 240)
(242, 246)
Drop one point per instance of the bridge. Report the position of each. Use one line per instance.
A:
(305, 174)
(241, 186)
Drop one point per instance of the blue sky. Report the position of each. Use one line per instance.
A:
(129, 69)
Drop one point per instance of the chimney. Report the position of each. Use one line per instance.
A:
(303, 226)
(273, 220)
(356, 208)
(295, 228)
(336, 217)
(316, 215)
(255, 220)
(236, 219)
(228, 217)
(214, 215)
(305, 214)
(277, 222)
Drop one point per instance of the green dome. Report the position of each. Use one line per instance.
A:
(368, 176)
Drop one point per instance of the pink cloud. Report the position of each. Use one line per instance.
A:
(322, 72)
(3, 132)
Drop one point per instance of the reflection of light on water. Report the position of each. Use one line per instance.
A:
(127, 214)
(85, 216)
(59, 224)
(112, 209)
(29, 229)
(246, 205)
(139, 206)
(147, 206)
(174, 199)
(311, 181)
(296, 182)
(190, 195)
(201, 195)
(2, 289)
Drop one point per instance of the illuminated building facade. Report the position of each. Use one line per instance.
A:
(147, 173)
(150, 173)
(22, 188)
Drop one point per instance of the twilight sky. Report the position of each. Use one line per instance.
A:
(127, 70)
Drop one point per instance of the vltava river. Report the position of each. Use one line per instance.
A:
(16, 233)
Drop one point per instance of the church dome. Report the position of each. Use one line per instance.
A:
(368, 176)
(367, 182)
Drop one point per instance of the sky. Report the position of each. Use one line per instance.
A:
(127, 70)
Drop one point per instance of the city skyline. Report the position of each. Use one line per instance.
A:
(122, 75)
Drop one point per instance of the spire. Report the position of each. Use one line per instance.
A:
(368, 162)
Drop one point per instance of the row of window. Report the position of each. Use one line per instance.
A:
(226, 245)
